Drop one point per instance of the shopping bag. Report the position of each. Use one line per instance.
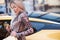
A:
(10, 38)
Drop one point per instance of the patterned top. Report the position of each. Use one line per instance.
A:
(21, 25)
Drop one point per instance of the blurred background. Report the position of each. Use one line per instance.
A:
(33, 5)
(42, 9)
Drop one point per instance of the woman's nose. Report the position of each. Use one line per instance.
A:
(14, 9)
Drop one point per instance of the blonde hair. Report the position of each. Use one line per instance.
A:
(19, 3)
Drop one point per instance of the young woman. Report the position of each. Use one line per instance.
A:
(20, 25)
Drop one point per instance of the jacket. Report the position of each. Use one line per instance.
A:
(21, 25)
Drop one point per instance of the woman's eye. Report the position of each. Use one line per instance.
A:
(14, 7)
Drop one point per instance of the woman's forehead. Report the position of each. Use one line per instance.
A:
(12, 4)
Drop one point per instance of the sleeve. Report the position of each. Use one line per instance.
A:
(27, 25)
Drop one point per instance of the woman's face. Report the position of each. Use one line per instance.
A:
(15, 8)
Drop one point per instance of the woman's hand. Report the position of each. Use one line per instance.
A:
(8, 28)
(13, 33)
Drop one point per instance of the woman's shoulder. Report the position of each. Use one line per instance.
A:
(23, 14)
